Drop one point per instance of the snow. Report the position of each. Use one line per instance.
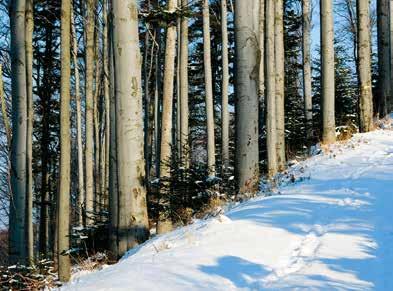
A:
(331, 230)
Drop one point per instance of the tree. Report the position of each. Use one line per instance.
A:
(63, 204)
(384, 81)
(132, 212)
(81, 186)
(29, 135)
(17, 219)
(211, 151)
(224, 88)
(89, 145)
(164, 223)
(364, 55)
(327, 64)
(271, 128)
(307, 90)
(280, 72)
(183, 70)
(247, 95)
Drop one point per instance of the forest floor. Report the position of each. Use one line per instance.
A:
(330, 229)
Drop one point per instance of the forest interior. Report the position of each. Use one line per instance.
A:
(196, 144)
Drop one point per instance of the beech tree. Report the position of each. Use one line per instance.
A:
(247, 95)
(271, 128)
(132, 211)
(211, 146)
(307, 89)
(327, 65)
(17, 219)
(63, 204)
(364, 56)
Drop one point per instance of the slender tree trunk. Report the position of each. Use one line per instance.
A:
(184, 127)
(225, 86)
(133, 221)
(146, 99)
(29, 135)
(3, 102)
(157, 103)
(261, 88)
(271, 138)
(164, 223)
(247, 87)
(81, 186)
(383, 101)
(89, 146)
(364, 56)
(328, 75)
(307, 90)
(106, 99)
(211, 152)
(64, 197)
(280, 72)
(113, 185)
(17, 219)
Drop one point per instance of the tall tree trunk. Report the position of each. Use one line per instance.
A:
(29, 135)
(106, 99)
(146, 100)
(133, 221)
(211, 151)
(364, 56)
(224, 88)
(157, 103)
(164, 223)
(328, 75)
(113, 186)
(4, 114)
(81, 186)
(307, 89)
(280, 72)
(64, 197)
(261, 85)
(89, 146)
(184, 115)
(247, 97)
(17, 220)
(271, 129)
(384, 85)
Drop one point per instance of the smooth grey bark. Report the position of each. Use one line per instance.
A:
(184, 110)
(211, 147)
(307, 89)
(64, 197)
(384, 82)
(17, 219)
(224, 88)
(328, 75)
(247, 97)
(364, 56)
(89, 130)
(81, 185)
(271, 137)
(164, 223)
(280, 72)
(133, 221)
(29, 134)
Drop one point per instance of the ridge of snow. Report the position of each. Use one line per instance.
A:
(331, 230)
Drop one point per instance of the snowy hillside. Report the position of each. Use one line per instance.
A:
(333, 230)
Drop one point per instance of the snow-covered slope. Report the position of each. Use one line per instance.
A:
(331, 231)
